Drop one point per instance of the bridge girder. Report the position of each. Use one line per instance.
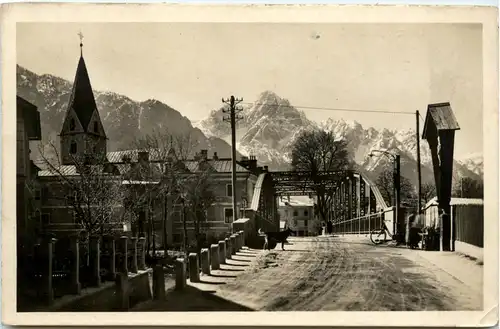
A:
(302, 182)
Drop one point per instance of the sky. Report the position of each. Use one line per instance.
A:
(191, 66)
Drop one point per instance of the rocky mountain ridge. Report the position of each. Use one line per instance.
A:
(271, 124)
(123, 118)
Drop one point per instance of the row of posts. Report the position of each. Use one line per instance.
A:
(137, 248)
(211, 259)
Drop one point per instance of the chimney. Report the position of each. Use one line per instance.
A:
(266, 168)
(143, 156)
(216, 157)
(252, 163)
(204, 154)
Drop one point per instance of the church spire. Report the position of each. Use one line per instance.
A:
(82, 133)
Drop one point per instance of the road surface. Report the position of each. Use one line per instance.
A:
(327, 274)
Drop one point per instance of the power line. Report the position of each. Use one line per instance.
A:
(334, 109)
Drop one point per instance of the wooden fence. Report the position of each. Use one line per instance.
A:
(468, 224)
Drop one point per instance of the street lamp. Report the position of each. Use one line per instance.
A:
(397, 182)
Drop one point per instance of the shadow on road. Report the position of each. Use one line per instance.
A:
(231, 269)
(239, 265)
(223, 276)
(211, 282)
(242, 260)
(246, 256)
(191, 299)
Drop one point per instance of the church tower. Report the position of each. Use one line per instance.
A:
(82, 134)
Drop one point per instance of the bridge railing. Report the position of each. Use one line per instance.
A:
(359, 225)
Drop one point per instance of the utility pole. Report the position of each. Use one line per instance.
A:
(233, 110)
(419, 165)
(397, 185)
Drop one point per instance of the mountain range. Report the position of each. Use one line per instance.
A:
(270, 125)
(124, 120)
(267, 130)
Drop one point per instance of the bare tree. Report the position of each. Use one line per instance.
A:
(428, 191)
(467, 187)
(316, 151)
(162, 175)
(199, 195)
(385, 184)
(91, 189)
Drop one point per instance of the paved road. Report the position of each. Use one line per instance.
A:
(334, 273)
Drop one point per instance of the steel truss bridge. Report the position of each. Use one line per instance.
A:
(351, 193)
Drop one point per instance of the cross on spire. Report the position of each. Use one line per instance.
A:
(80, 34)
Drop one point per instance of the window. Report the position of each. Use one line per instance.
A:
(45, 219)
(37, 194)
(228, 215)
(96, 126)
(177, 238)
(306, 213)
(305, 223)
(36, 215)
(229, 190)
(72, 125)
(295, 213)
(72, 148)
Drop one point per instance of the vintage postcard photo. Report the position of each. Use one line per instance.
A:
(197, 163)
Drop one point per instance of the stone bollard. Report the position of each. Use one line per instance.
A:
(237, 239)
(233, 244)
(158, 283)
(76, 288)
(124, 251)
(122, 291)
(236, 242)
(242, 235)
(214, 256)
(228, 248)
(194, 271)
(240, 244)
(180, 274)
(112, 257)
(95, 256)
(222, 252)
(133, 266)
(205, 262)
(142, 253)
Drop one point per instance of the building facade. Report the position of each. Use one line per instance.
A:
(219, 216)
(297, 213)
(27, 185)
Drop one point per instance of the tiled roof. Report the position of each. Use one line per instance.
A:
(456, 202)
(219, 166)
(116, 159)
(117, 156)
(67, 170)
(226, 166)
